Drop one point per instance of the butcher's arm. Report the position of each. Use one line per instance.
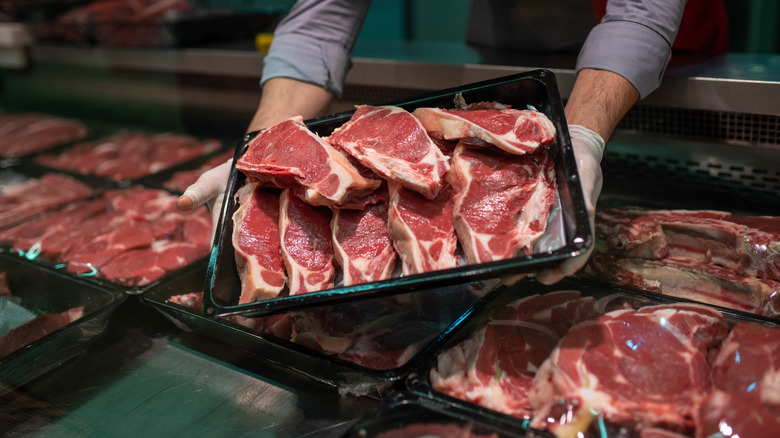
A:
(283, 98)
(622, 61)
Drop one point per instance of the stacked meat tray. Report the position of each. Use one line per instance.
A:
(85, 220)
(387, 254)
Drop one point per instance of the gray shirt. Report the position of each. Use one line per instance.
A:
(314, 42)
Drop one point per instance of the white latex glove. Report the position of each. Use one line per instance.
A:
(208, 189)
(588, 149)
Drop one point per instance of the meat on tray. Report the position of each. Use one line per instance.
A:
(362, 244)
(708, 256)
(428, 198)
(514, 131)
(27, 133)
(306, 245)
(393, 143)
(577, 366)
(502, 201)
(256, 244)
(37, 195)
(422, 230)
(495, 367)
(289, 155)
(129, 236)
(128, 155)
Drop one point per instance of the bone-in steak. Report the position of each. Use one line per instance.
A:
(392, 143)
(502, 201)
(256, 244)
(515, 131)
(289, 155)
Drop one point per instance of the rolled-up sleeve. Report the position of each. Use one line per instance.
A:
(314, 42)
(634, 40)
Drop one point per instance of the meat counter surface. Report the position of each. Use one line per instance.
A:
(146, 376)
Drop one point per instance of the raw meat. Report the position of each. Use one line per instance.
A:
(131, 236)
(37, 328)
(496, 365)
(746, 377)
(288, 155)
(502, 202)
(37, 195)
(748, 245)
(422, 230)
(27, 133)
(517, 132)
(708, 256)
(306, 245)
(256, 244)
(705, 283)
(392, 143)
(646, 367)
(128, 155)
(362, 244)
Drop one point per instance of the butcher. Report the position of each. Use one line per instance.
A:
(622, 60)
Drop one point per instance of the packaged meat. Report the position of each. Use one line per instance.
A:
(23, 196)
(583, 359)
(364, 347)
(702, 255)
(424, 238)
(127, 155)
(46, 318)
(28, 133)
(130, 236)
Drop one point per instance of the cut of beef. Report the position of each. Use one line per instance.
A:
(746, 376)
(306, 245)
(637, 368)
(128, 155)
(289, 155)
(706, 283)
(131, 236)
(392, 143)
(39, 327)
(422, 231)
(708, 256)
(502, 202)
(496, 365)
(37, 195)
(27, 133)
(750, 245)
(256, 244)
(362, 244)
(517, 132)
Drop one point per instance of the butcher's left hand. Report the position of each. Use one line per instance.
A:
(588, 150)
(208, 189)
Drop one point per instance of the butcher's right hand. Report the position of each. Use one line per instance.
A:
(208, 189)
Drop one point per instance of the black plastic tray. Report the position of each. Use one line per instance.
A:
(44, 291)
(350, 377)
(405, 409)
(536, 89)
(418, 381)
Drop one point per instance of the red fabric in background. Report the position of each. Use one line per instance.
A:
(704, 28)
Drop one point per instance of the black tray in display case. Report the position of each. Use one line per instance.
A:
(606, 297)
(406, 415)
(39, 291)
(568, 233)
(396, 333)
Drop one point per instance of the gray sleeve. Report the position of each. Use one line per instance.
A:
(314, 42)
(634, 40)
